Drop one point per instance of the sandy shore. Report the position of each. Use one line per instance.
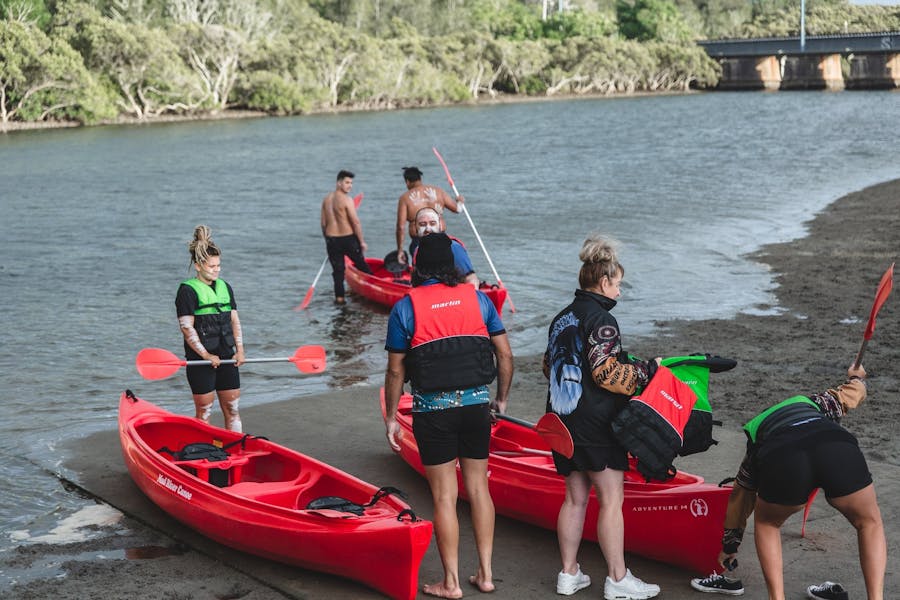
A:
(826, 281)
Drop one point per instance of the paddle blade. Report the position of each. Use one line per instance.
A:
(306, 298)
(309, 359)
(554, 431)
(156, 363)
(443, 164)
(884, 290)
(809, 502)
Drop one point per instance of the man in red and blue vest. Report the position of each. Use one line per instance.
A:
(448, 341)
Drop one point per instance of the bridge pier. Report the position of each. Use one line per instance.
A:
(785, 63)
(813, 72)
(750, 73)
(874, 71)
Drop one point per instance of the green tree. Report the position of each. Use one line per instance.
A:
(646, 20)
(25, 11)
(140, 63)
(43, 77)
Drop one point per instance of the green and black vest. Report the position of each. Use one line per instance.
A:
(784, 414)
(212, 318)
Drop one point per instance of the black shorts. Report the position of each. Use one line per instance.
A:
(460, 432)
(835, 464)
(592, 458)
(203, 378)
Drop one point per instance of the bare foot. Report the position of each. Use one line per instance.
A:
(441, 591)
(486, 587)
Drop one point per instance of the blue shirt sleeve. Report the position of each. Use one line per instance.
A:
(461, 259)
(489, 314)
(401, 325)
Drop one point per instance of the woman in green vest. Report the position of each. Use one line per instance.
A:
(793, 448)
(208, 316)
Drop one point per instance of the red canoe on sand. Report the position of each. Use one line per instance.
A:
(261, 506)
(385, 288)
(678, 522)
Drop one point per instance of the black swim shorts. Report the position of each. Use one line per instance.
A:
(592, 458)
(203, 378)
(833, 463)
(459, 432)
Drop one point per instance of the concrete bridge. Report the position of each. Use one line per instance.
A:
(821, 62)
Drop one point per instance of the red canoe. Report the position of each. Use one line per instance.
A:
(678, 522)
(385, 288)
(257, 501)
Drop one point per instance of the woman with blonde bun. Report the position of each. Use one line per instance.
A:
(591, 379)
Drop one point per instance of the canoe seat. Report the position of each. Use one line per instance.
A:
(278, 493)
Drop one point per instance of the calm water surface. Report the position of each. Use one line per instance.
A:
(96, 221)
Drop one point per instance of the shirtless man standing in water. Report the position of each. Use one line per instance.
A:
(343, 232)
(418, 196)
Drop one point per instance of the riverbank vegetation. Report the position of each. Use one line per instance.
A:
(94, 61)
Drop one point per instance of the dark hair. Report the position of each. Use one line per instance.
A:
(344, 174)
(447, 275)
(412, 174)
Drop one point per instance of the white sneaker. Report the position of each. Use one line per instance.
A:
(629, 588)
(569, 584)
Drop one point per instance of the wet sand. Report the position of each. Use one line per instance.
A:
(826, 284)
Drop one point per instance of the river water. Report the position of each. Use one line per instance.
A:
(95, 225)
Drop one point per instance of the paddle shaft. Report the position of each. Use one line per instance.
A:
(465, 211)
(231, 361)
(859, 355)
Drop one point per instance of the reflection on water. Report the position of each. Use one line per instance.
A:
(358, 329)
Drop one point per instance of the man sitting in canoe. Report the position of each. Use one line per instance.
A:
(429, 221)
(417, 196)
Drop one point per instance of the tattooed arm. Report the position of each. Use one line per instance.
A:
(609, 373)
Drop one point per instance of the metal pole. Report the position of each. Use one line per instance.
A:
(802, 25)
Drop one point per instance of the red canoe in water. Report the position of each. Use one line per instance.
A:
(387, 288)
(257, 499)
(678, 522)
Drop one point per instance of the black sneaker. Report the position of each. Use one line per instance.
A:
(718, 584)
(827, 591)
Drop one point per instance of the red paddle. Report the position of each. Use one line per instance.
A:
(884, 290)
(156, 363)
(472, 224)
(551, 428)
(306, 299)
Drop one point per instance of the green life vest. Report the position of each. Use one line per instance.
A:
(210, 302)
(775, 417)
(212, 317)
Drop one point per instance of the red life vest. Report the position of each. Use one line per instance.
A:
(451, 348)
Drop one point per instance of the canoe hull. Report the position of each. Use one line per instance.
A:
(382, 287)
(261, 510)
(679, 522)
